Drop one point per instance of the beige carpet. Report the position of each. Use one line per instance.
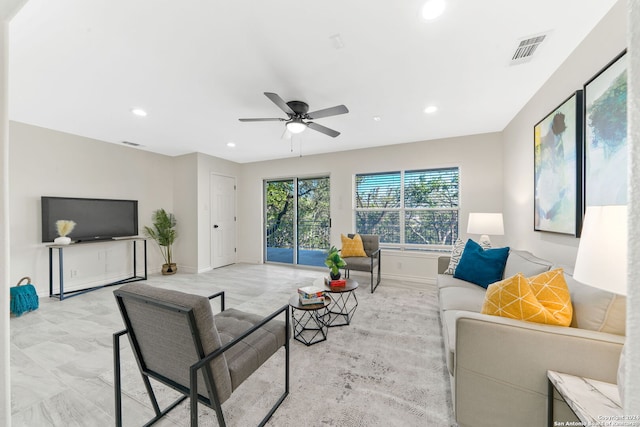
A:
(385, 369)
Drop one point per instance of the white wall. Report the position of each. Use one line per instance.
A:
(5, 378)
(208, 165)
(479, 158)
(185, 249)
(8, 8)
(191, 179)
(632, 385)
(50, 163)
(606, 41)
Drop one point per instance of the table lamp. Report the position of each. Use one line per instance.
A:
(602, 256)
(485, 224)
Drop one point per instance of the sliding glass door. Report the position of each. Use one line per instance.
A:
(279, 221)
(297, 220)
(313, 219)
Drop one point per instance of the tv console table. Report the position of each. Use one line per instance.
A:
(62, 295)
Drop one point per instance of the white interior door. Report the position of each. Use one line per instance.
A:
(223, 220)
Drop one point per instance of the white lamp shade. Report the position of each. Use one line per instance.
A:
(602, 253)
(485, 223)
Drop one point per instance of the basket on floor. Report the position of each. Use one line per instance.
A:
(23, 297)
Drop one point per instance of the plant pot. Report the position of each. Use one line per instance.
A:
(62, 240)
(168, 269)
(334, 276)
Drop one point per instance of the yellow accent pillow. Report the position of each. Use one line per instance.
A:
(544, 298)
(352, 247)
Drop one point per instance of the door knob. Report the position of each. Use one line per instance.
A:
(215, 226)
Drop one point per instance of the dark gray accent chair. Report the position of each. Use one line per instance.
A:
(178, 341)
(370, 263)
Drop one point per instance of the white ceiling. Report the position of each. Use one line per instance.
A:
(196, 66)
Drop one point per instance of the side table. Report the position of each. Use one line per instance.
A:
(595, 403)
(309, 327)
(344, 302)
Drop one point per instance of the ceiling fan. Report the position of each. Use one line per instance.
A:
(298, 114)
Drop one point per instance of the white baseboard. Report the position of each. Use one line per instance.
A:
(416, 279)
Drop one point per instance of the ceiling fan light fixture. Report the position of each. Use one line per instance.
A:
(296, 126)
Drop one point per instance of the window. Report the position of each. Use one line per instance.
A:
(417, 208)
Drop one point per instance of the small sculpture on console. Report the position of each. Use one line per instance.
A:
(64, 227)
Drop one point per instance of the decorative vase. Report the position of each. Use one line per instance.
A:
(62, 240)
(334, 276)
(168, 269)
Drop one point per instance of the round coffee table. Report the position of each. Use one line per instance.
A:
(343, 302)
(309, 327)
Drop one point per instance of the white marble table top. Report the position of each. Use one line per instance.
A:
(594, 402)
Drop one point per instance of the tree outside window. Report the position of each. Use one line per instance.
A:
(417, 208)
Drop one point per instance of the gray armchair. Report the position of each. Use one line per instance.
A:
(370, 263)
(178, 341)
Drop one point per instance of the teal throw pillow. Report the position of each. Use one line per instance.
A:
(481, 266)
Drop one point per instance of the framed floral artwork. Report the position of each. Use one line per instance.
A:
(557, 166)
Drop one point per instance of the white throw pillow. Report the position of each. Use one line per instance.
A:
(456, 253)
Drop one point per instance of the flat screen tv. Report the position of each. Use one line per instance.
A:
(96, 219)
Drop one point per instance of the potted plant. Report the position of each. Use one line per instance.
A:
(164, 233)
(335, 262)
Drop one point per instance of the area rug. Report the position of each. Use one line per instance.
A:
(386, 368)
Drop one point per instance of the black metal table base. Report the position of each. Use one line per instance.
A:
(342, 308)
(310, 327)
(62, 294)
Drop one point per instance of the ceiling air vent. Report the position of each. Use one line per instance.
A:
(526, 48)
(131, 144)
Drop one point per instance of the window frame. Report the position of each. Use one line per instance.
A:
(402, 209)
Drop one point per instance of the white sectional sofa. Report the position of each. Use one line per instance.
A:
(498, 366)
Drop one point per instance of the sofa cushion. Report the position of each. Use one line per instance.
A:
(449, 337)
(457, 298)
(526, 263)
(447, 281)
(595, 309)
(456, 253)
(481, 266)
(542, 299)
(352, 246)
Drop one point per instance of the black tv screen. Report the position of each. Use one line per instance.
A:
(96, 219)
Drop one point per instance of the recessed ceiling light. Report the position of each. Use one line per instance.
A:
(433, 8)
(431, 109)
(231, 144)
(139, 112)
(377, 118)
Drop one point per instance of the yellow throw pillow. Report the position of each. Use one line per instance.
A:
(544, 298)
(550, 288)
(352, 247)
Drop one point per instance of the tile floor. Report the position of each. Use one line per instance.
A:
(59, 351)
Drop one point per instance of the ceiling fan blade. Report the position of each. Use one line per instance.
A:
(323, 129)
(275, 98)
(333, 111)
(262, 120)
